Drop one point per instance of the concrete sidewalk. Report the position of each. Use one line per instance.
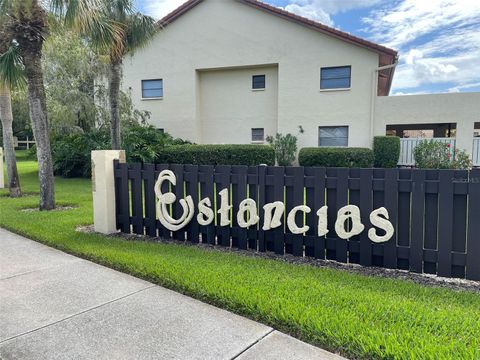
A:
(57, 306)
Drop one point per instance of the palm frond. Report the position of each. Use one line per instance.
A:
(11, 68)
(139, 30)
(90, 18)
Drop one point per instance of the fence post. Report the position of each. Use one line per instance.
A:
(2, 181)
(103, 183)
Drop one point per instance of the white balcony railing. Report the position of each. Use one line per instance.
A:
(476, 152)
(408, 145)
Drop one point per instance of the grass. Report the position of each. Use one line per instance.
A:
(358, 316)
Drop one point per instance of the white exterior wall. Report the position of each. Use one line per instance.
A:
(229, 108)
(225, 34)
(460, 108)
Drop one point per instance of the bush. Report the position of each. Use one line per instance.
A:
(142, 143)
(285, 148)
(386, 150)
(72, 153)
(217, 155)
(434, 154)
(336, 157)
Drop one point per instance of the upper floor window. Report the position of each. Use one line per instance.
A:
(152, 89)
(333, 136)
(258, 82)
(335, 77)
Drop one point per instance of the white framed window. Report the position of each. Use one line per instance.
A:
(152, 89)
(338, 77)
(258, 135)
(258, 82)
(334, 136)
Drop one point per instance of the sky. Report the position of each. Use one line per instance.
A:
(438, 40)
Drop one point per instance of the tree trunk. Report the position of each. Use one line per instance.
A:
(8, 143)
(114, 94)
(38, 116)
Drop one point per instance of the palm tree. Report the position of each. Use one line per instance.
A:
(26, 23)
(137, 30)
(11, 75)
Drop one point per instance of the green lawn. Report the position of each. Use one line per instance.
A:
(361, 317)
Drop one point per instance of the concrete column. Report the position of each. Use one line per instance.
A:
(465, 135)
(103, 182)
(2, 180)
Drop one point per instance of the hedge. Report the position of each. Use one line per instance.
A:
(250, 155)
(336, 157)
(387, 151)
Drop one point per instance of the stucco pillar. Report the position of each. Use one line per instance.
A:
(2, 180)
(464, 136)
(103, 182)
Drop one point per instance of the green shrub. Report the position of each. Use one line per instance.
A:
(386, 150)
(142, 143)
(217, 155)
(285, 148)
(336, 157)
(434, 154)
(72, 153)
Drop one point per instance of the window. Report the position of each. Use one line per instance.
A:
(258, 135)
(152, 89)
(258, 82)
(335, 77)
(161, 130)
(333, 136)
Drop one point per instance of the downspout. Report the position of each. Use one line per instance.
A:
(375, 92)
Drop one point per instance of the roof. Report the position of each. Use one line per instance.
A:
(387, 56)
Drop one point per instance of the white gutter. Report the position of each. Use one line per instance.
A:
(375, 92)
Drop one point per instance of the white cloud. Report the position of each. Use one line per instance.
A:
(321, 10)
(438, 40)
(159, 8)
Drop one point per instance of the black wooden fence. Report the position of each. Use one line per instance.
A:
(435, 213)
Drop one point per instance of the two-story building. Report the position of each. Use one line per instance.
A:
(236, 71)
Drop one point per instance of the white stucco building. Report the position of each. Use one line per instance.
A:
(235, 71)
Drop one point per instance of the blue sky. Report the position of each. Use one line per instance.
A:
(438, 40)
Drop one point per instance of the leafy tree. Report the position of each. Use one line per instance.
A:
(25, 22)
(11, 75)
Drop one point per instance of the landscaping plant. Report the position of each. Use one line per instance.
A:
(435, 154)
(336, 157)
(386, 151)
(285, 147)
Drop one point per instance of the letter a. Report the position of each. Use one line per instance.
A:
(348, 212)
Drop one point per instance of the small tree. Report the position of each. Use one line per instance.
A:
(285, 148)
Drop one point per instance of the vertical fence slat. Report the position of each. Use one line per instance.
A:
(473, 239)
(135, 174)
(391, 204)
(366, 176)
(331, 195)
(124, 199)
(297, 198)
(222, 180)
(207, 191)
(262, 200)
(404, 202)
(178, 190)
(417, 230)
(149, 199)
(378, 188)
(354, 199)
(460, 219)
(252, 181)
(277, 174)
(162, 231)
(341, 245)
(239, 193)
(191, 179)
(445, 220)
(315, 246)
(431, 220)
